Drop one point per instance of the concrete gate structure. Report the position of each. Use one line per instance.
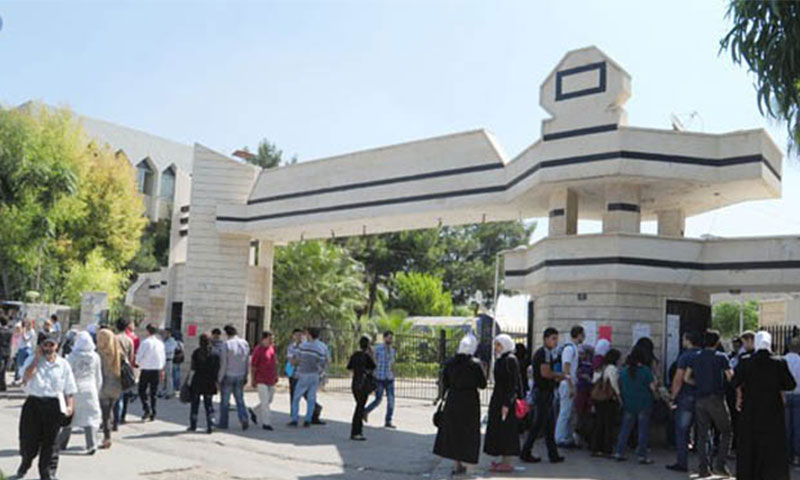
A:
(588, 164)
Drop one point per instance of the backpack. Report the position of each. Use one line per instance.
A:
(602, 390)
(178, 357)
(127, 375)
(557, 367)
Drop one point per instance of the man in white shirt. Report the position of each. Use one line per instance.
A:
(151, 359)
(793, 404)
(566, 390)
(50, 385)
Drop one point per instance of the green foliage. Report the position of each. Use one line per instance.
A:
(725, 317)
(315, 284)
(97, 274)
(67, 206)
(420, 294)
(154, 251)
(766, 37)
(269, 156)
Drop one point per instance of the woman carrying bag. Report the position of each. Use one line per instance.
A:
(111, 359)
(502, 430)
(362, 365)
(202, 382)
(459, 431)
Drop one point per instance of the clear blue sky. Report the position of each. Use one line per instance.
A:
(328, 77)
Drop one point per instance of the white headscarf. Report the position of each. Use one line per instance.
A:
(83, 343)
(468, 345)
(506, 342)
(763, 341)
(602, 347)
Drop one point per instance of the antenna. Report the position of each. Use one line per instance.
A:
(676, 123)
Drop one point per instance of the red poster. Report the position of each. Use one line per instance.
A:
(191, 330)
(605, 332)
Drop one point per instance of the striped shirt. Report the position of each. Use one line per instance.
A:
(313, 357)
(384, 359)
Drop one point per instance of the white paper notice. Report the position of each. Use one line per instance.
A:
(673, 338)
(590, 329)
(640, 330)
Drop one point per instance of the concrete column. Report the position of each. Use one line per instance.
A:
(265, 261)
(671, 223)
(563, 212)
(622, 209)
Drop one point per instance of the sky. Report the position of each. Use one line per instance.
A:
(328, 77)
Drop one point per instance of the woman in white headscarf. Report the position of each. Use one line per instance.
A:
(601, 348)
(86, 366)
(761, 438)
(502, 431)
(459, 434)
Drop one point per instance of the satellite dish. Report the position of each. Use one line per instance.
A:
(677, 125)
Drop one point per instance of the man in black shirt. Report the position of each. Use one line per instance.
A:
(5, 350)
(544, 385)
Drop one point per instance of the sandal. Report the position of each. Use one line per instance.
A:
(458, 471)
(501, 468)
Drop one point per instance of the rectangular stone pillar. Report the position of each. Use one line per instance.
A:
(266, 256)
(563, 212)
(671, 223)
(623, 213)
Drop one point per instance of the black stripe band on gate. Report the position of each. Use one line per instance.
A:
(559, 162)
(557, 212)
(625, 207)
(656, 263)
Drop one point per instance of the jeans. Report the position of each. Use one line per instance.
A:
(317, 405)
(168, 387)
(176, 377)
(387, 385)
(148, 380)
(307, 383)
(357, 425)
(628, 420)
(233, 385)
(195, 408)
(793, 424)
(121, 407)
(712, 411)
(22, 354)
(565, 413)
(544, 418)
(265, 395)
(684, 415)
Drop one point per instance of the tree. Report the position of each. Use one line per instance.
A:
(269, 155)
(420, 294)
(97, 274)
(315, 284)
(725, 317)
(766, 37)
(154, 247)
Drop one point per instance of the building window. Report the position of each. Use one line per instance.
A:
(167, 191)
(144, 177)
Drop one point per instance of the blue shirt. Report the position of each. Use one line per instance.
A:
(312, 358)
(683, 363)
(384, 359)
(708, 370)
(636, 393)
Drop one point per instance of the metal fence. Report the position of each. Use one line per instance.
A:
(782, 336)
(419, 359)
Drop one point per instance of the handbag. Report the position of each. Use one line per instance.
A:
(185, 395)
(521, 408)
(127, 376)
(438, 415)
(369, 384)
(602, 390)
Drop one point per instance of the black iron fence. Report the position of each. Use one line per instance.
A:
(782, 336)
(420, 356)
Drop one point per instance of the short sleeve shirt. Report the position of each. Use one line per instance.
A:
(51, 378)
(543, 356)
(683, 363)
(569, 355)
(636, 393)
(708, 369)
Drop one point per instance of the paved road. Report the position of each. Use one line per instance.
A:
(163, 450)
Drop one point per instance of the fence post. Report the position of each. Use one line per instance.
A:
(442, 347)
(529, 337)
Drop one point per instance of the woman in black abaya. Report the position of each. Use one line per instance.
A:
(502, 430)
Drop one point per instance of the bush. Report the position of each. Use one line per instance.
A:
(421, 294)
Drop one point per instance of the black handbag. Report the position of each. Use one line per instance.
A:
(369, 384)
(127, 377)
(185, 395)
(438, 415)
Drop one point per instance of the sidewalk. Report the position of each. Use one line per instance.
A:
(163, 450)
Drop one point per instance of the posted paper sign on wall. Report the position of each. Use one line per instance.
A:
(605, 332)
(191, 330)
(640, 330)
(590, 329)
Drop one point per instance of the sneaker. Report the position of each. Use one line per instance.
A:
(191, 429)
(252, 415)
(358, 438)
(390, 425)
(291, 424)
(528, 458)
(619, 458)
(675, 467)
(318, 422)
(723, 471)
(245, 425)
(91, 451)
(645, 461)
(306, 424)
(557, 459)
(267, 427)
(704, 474)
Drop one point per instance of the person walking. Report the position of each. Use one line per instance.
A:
(86, 368)
(56, 326)
(49, 386)
(310, 362)
(6, 334)
(565, 428)
(362, 365)
(111, 358)
(606, 409)
(684, 396)
(385, 356)
(502, 430)
(126, 347)
(637, 386)
(459, 434)
(170, 345)
(234, 366)
(264, 367)
(708, 370)
(178, 357)
(793, 403)
(761, 451)
(203, 382)
(27, 340)
(545, 380)
(292, 355)
(151, 360)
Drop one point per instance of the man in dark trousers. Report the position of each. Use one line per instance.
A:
(707, 371)
(544, 384)
(50, 385)
(5, 349)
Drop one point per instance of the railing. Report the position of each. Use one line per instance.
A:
(782, 336)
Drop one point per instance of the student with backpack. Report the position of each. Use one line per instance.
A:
(605, 395)
(567, 389)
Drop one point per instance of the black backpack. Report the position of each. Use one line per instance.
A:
(178, 357)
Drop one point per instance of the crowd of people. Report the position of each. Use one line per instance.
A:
(579, 395)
